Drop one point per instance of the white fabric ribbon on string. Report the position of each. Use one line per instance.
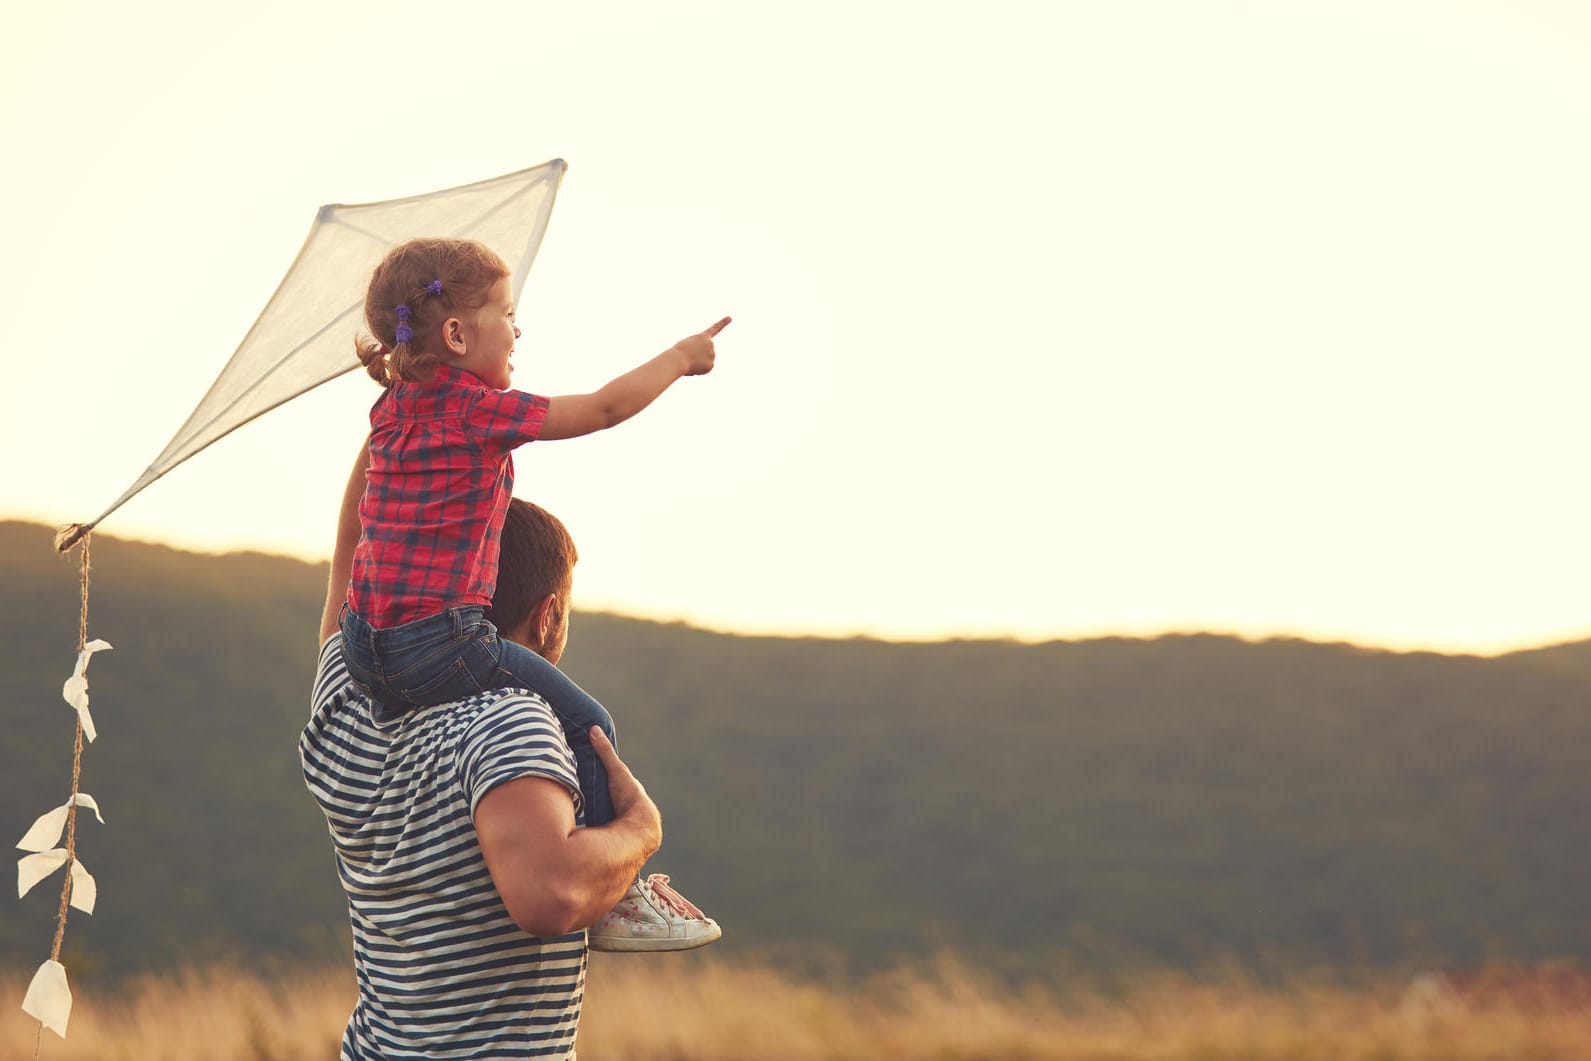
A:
(76, 688)
(46, 831)
(85, 893)
(49, 1000)
(33, 868)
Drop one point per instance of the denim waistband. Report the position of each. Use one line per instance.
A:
(446, 624)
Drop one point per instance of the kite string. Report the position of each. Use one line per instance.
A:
(77, 769)
(71, 534)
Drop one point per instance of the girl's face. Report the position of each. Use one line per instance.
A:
(489, 338)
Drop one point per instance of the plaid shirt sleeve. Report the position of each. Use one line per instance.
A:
(501, 421)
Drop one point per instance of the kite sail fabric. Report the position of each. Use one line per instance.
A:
(304, 336)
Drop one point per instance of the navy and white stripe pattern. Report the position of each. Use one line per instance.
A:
(443, 971)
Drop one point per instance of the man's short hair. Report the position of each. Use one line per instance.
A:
(537, 557)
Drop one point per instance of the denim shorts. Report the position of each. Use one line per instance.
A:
(456, 654)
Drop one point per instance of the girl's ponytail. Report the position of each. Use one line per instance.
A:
(374, 357)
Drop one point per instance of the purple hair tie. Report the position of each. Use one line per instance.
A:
(404, 333)
(435, 287)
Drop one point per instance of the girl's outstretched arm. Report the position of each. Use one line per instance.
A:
(342, 556)
(573, 415)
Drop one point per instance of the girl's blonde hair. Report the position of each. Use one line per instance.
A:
(436, 279)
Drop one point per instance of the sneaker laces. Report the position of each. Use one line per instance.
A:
(657, 884)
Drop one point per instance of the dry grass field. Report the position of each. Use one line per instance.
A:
(648, 1010)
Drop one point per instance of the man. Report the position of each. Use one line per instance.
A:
(458, 835)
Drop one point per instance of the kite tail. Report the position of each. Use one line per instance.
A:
(70, 535)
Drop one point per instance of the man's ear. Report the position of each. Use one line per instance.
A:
(544, 619)
(453, 336)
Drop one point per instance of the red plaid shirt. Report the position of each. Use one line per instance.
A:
(441, 473)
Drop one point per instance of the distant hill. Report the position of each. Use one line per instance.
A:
(1113, 801)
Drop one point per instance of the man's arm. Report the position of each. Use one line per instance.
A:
(342, 556)
(556, 878)
(573, 415)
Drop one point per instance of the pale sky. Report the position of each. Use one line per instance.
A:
(1051, 319)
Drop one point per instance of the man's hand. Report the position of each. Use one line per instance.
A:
(698, 349)
(630, 800)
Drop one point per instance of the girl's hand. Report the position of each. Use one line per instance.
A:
(698, 349)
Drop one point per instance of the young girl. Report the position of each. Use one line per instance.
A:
(439, 479)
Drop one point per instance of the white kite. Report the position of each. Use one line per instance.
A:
(303, 338)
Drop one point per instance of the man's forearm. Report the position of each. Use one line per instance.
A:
(556, 878)
(612, 856)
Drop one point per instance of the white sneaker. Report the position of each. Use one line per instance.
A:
(653, 917)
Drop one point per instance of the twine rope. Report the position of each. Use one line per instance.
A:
(77, 769)
(77, 773)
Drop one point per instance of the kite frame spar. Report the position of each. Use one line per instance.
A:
(183, 445)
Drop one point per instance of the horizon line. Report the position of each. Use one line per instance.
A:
(885, 634)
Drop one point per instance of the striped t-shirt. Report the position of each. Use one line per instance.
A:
(443, 971)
